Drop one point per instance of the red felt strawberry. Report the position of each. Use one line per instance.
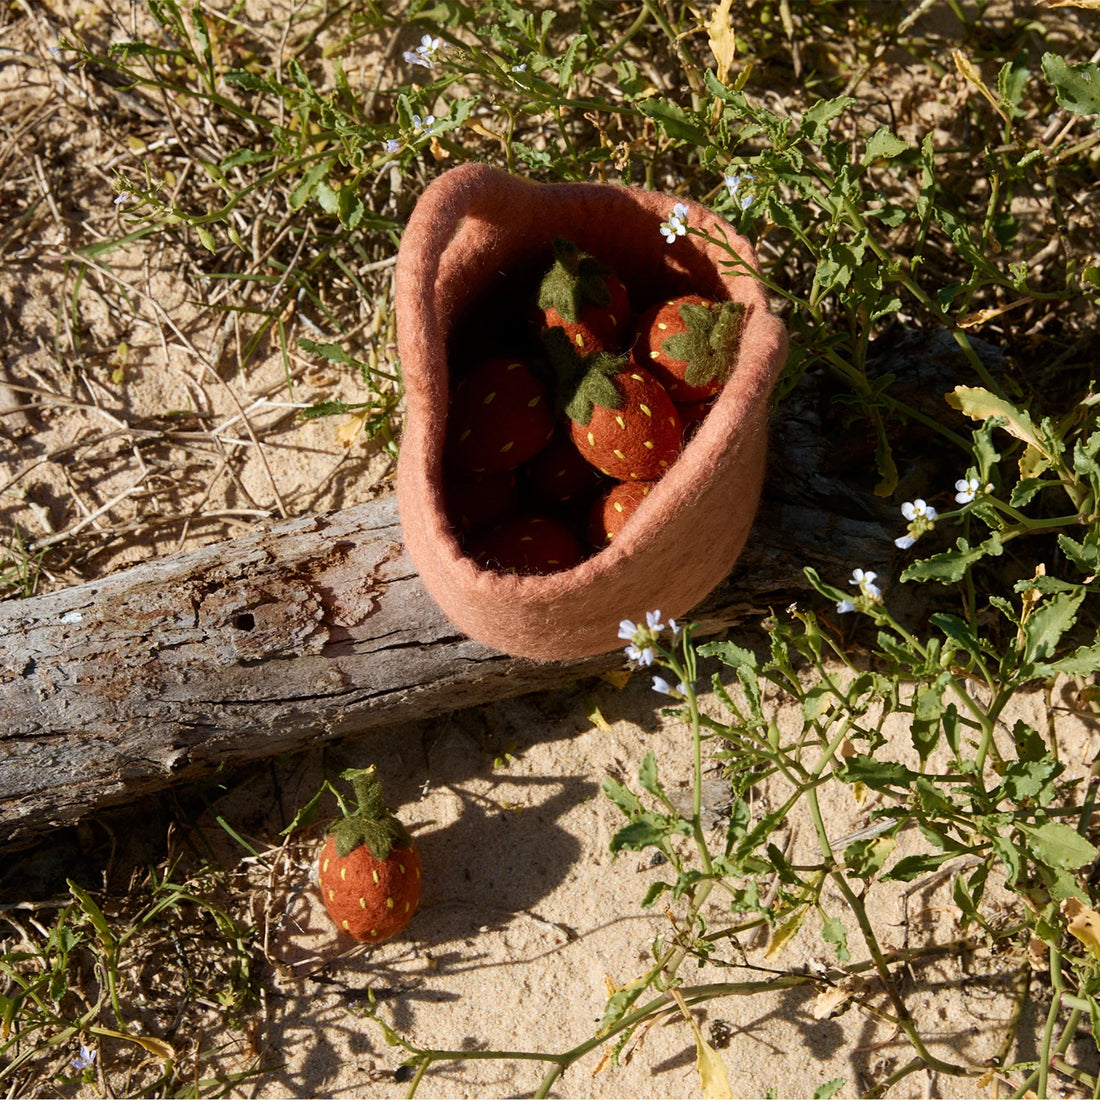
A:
(690, 344)
(480, 499)
(623, 421)
(559, 475)
(613, 508)
(500, 416)
(369, 871)
(585, 299)
(532, 544)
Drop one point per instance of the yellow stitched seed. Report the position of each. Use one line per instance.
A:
(401, 867)
(672, 421)
(617, 506)
(621, 422)
(362, 903)
(374, 931)
(637, 378)
(619, 455)
(331, 894)
(527, 538)
(507, 446)
(489, 397)
(513, 366)
(389, 903)
(661, 325)
(591, 440)
(645, 409)
(579, 340)
(663, 462)
(534, 401)
(374, 875)
(325, 867)
(417, 871)
(406, 907)
(343, 874)
(465, 435)
(655, 355)
(648, 445)
(346, 926)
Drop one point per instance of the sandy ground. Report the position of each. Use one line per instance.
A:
(527, 922)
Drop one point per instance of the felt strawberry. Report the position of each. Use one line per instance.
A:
(622, 420)
(369, 871)
(613, 508)
(692, 414)
(585, 299)
(690, 344)
(500, 416)
(476, 500)
(559, 475)
(531, 544)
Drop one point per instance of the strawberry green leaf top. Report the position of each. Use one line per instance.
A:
(691, 344)
(576, 280)
(594, 387)
(371, 825)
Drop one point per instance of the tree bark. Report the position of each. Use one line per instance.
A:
(312, 629)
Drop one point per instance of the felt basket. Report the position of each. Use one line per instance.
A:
(477, 238)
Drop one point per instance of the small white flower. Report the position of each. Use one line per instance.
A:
(865, 580)
(122, 198)
(644, 657)
(844, 606)
(672, 229)
(680, 212)
(653, 620)
(917, 509)
(627, 630)
(903, 542)
(660, 684)
(966, 489)
(425, 52)
(673, 627)
(520, 68)
(392, 145)
(733, 185)
(86, 1059)
(423, 125)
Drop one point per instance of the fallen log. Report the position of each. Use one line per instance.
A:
(313, 629)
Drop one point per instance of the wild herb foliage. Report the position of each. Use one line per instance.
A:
(862, 220)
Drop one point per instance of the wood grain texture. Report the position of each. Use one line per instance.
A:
(312, 629)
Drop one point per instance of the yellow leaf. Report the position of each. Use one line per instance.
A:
(831, 1001)
(156, 1047)
(980, 404)
(592, 713)
(966, 67)
(723, 42)
(786, 932)
(1083, 924)
(617, 677)
(978, 318)
(712, 1070)
(351, 427)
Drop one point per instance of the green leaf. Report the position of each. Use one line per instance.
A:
(673, 120)
(1081, 662)
(884, 145)
(925, 726)
(950, 566)
(1085, 554)
(1044, 627)
(647, 776)
(958, 630)
(624, 798)
(879, 775)
(829, 1088)
(814, 126)
(648, 831)
(911, 867)
(865, 858)
(308, 183)
(1057, 845)
(653, 893)
(729, 654)
(1076, 87)
(1011, 85)
(209, 242)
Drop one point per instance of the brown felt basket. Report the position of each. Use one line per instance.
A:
(476, 235)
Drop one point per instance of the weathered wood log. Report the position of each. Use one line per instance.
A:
(312, 629)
